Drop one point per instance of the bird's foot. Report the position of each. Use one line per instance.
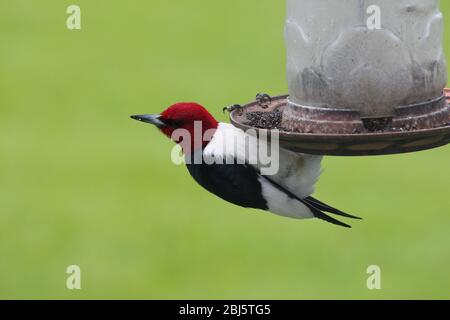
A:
(234, 107)
(264, 100)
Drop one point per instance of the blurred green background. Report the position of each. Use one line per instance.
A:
(81, 183)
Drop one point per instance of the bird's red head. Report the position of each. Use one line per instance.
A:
(182, 118)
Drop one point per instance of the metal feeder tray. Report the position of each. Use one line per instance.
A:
(352, 144)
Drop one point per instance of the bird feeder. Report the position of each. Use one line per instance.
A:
(364, 78)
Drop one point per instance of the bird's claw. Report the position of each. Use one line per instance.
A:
(263, 99)
(233, 107)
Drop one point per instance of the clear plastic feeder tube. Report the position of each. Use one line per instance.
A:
(366, 55)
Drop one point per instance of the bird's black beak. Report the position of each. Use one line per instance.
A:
(150, 118)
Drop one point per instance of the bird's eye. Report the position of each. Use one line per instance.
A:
(177, 124)
(174, 123)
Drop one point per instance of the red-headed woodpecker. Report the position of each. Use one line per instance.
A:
(221, 164)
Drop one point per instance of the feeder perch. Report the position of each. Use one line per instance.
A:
(355, 89)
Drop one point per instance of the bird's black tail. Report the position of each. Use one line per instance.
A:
(317, 207)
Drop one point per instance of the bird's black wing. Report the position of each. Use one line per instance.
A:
(235, 183)
(240, 185)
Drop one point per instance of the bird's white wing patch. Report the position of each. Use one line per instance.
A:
(296, 172)
(280, 203)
